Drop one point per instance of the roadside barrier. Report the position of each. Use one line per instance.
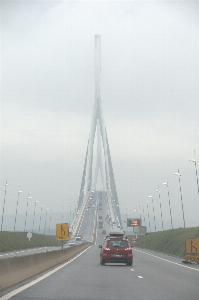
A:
(16, 269)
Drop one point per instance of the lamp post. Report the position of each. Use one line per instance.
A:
(179, 175)
(45, 220)
(16, 209)
(160, 208)
(3, 206)
(148, 216)
(62, 214)
(166, 183)
(153, 212)
(50, 220)
(26, 212)
(34, 216)
(193, 160)
(40, 216)
(143, 213)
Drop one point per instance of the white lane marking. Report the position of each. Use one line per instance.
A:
(132, 270)
(11, 294)
(140, 277)
(172, 262)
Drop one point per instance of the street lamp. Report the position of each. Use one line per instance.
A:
(143, 213)
(34, 216)
(26, 212)
(153, 212)
(193, 160)
(3, 206)
(40, 217)
(148, 216)
(160, 207)
(45, 220)
(16, 209)
(166, 183)
(179, 175)
(50, 220)
(62, 214)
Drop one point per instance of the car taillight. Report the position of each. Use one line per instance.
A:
(107, 249)
(127, 248)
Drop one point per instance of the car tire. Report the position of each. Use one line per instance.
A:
(130, 263)
(102, 263)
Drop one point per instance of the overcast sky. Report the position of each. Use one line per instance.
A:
(150, 99)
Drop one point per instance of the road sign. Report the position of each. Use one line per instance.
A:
(134, 241)
(62, 232)
(29, 235)
(192, 246)
(192, 257)
(133, 222)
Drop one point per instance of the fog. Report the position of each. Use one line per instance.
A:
(149, 91)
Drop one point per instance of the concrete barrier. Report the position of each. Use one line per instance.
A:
(16, 269)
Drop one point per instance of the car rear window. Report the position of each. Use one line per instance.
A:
(119, 243)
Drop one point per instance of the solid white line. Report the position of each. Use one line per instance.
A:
(11, 294)
(132, 270)
(168, 260)
(140, 277)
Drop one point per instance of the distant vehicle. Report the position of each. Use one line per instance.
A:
(93, 206)
(78, 238)
(100, 208)
(100, 204)
(104, 231)
(116, 250)
(79, 235)
(100, 224)
(100, 217)
(71, 243)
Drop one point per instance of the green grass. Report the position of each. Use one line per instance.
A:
(169, 241)
(10, 241)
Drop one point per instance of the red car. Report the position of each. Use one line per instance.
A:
(116, 250)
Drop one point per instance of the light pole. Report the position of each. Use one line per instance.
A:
(153, 211)
(193, 160)
(50, 220)
(160, 208)
(3, 206)
(45, 220)
(143, 213)
(166, 183)
(179, 175)
(62, 214)
(16, 209)
(34, 216)
(40, 217)
(26, 212)
(148, 216)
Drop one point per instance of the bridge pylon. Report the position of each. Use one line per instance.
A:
(103, 162)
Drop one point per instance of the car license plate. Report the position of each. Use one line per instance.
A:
(117, 255)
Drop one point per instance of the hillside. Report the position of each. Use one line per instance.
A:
(10, 241)
(169, 241)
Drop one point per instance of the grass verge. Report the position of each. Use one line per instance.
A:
(171, 241)
(10, 241)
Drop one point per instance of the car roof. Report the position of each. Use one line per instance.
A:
(116, 233)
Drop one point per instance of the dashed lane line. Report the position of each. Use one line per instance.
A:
(169, 261)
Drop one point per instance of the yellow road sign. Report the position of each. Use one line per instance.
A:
(62, 232)
(192, 246)
(192, 257)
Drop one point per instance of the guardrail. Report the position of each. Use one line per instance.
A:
(16, 269)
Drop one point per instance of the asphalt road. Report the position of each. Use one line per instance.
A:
(153, 276)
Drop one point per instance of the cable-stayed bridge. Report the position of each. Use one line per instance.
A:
(98, 163)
